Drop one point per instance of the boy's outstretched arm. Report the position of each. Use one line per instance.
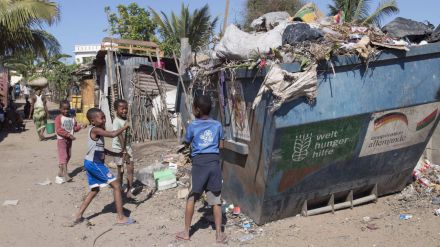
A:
(105, 133)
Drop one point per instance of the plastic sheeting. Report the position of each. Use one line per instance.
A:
(269, 20)
(240, 45)
(286, 86)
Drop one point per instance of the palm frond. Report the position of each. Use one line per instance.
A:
(362, 9)
(385, 8)
(15, 14)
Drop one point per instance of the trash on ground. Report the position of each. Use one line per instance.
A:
(437, 212)
(165, 179)
(246, 238)
(435, 200)
(46, 182)
(405, 216)
(10, 203)
(236, 210)
(372, 226)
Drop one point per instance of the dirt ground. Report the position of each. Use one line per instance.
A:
(42, 210)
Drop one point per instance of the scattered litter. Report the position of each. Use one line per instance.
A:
(165, 179)
(366, 219)
(246, 238)
(372, 226)
(437, 212)
(246, 225)
(145, 175)
(405, 216)
(436, 200)
(236, 210)
(10, 203)
(44, 183)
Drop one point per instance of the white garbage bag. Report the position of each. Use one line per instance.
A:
(269, 20)
(240, 45)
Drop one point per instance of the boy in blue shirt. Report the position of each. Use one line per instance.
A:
(206, 138)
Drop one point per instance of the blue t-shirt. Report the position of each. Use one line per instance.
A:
(204, 136)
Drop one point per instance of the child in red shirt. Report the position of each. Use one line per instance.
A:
(65, 127)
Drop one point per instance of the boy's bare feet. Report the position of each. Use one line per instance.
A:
(221, 238)
(183, 235)
(125, 221)
(75, 222)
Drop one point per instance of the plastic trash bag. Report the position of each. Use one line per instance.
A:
(300, 32)
(414, 31)
(269, 20)
(240, 45)
(435, 36)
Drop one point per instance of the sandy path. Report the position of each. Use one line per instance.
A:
(42, 210)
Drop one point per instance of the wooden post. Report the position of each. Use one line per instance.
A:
(225, 23)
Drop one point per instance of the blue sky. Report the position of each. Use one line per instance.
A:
(84, 21)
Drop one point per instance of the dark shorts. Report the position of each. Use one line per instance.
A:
(206, 173)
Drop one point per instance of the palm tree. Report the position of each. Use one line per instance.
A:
(20, 27)
(358, 11)
(197, 27)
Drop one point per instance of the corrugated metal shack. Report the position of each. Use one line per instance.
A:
(138, 78)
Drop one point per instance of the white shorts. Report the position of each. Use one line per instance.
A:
(119, 160)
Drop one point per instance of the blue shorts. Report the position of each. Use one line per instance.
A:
(98, 175)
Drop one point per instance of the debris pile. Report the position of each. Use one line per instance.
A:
(308, 38)
(424, 190)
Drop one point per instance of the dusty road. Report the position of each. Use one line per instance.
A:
(38, 218)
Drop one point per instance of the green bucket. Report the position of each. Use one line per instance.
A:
(50, 128)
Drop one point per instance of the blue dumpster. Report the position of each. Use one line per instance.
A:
(359, 140)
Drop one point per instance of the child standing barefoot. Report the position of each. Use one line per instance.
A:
(119, 144)
(98, 175)
(206, 138)
(65, 127)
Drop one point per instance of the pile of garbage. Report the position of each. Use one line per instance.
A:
(427, 178)
(172, 170)
(307, 38)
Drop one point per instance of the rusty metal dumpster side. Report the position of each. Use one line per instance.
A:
(364, 134)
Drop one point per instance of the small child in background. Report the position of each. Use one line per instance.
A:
(120, 144)
(206, 138)
(65, 127)
(27, 108)
(98, 175)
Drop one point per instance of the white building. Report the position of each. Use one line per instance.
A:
(82, 52)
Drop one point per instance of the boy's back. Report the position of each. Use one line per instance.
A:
(204, 136)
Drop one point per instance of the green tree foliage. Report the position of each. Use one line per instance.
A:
(131, 22)
(359, 11)
(53, 68)
(59, 74)
(20, 27)
(257, 8)
(198, 27)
